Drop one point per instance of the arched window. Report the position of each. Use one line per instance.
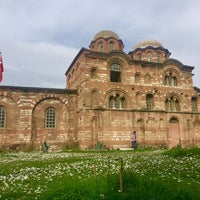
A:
(111, 44)
(194, 104)
(147, 78)
(149, 56)
(158, 56)
(173, 120)
(117, 102)
(172, 104)
(50, 118)
(100, 47)
(115, 73)
(137, 77)
(93, 72)
(170, 80)
(139, 56)
(149, 101)
(2, 117)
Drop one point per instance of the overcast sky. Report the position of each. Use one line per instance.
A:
(40, 38)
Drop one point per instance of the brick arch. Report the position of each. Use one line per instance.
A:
(175, 95)
(123, 62)
(40, 133)
(45, 97)
(172, 62)
(171, 69)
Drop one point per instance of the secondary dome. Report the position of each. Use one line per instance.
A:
(147, 43)
(106, 34)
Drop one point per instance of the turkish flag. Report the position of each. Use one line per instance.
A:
(1, 67)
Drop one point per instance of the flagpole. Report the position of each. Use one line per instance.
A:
(1, 68)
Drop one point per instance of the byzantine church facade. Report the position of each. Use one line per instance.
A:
(108, 94)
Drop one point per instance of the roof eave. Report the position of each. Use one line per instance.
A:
(75, 59)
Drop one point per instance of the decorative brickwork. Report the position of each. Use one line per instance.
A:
(109, 93)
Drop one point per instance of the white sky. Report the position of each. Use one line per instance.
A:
(40, 38)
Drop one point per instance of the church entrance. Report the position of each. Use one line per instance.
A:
(174, 132)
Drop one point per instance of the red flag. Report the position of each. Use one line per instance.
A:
(1, 67)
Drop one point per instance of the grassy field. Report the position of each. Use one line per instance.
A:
(141, 174)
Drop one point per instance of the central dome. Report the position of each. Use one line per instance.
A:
(106, 34)
(148, 43)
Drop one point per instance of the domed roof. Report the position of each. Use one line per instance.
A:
(147, 43)
(106, 34)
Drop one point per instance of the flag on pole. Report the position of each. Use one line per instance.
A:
(1, 67)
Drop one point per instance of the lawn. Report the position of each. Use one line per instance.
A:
(137, 174)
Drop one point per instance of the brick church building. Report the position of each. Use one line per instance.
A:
(108, 94)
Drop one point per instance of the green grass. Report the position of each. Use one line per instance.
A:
(154, 174)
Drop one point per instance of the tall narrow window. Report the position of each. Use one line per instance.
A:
(149, 101)
(50, 118)
(115, 73)
(149, 56)
(111, 102)
(101, 47)
(194, 104)
(2, 117)
(137, 77)
(123, 102)
(111, 45)
(139, 56)
(158, 56)
(93, 72)
(94, 98)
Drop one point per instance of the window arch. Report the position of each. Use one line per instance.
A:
(170, 80)
(50, 118)
(2, 117)
(172, 104)
(149, 101)
(115, 73)
(116, 101)
(194, 104)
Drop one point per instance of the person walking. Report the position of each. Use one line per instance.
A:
(133, 139)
